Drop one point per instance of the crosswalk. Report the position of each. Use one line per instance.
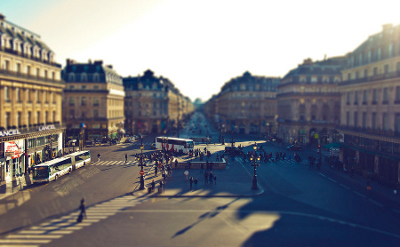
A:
(53, 229)
(113, 163)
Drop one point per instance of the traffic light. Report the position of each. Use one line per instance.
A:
(319, 148)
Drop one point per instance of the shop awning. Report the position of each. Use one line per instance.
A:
(334, 145)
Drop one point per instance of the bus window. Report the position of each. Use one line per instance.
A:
(40, 172)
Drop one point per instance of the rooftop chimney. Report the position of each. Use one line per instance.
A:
(110, 66)
(98, 62)
(90, 61)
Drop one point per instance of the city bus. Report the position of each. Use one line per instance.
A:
(53, 169)
(174, 144)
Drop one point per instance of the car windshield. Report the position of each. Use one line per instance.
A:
(40, 172)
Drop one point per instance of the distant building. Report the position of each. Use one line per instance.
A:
(154, 105)
(30, 101)
(309, 102)
(370, 106)
(245, 104)
(93, 106)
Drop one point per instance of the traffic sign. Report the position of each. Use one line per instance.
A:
(142, 172)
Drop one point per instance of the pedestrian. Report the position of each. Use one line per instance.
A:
(83, 211)
(191, 182)
(215, 179)
(210, 177)
(201, 168)
(98, 157)
(126, 158)
(186, 174)
(205, 177)
(153, 185)
(195, 183)
(176, 162)
(155, 170)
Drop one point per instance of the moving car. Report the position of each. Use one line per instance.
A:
(153, 146)
(234, 151)
(294, 148)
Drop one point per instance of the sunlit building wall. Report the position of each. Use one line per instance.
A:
(93, 105)
(370, 106)
(30, 101)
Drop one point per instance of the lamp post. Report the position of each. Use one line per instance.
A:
(141, 165)
(223, 134)
(255, 164)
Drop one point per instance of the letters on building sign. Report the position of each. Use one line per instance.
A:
(46, 127)
(9, 132)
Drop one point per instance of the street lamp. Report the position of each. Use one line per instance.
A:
(255, 164)
(141, 165)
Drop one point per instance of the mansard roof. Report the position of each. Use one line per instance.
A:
(147, 80)
(330, 66)
(247, 78)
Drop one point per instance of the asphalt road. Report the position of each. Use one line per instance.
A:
(299, 207)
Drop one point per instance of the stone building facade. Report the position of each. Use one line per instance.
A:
(154, 105)
(309, 102)
(31, 128)
(93, 105)
(370, 106)
(245, 105)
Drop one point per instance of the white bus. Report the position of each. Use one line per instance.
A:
(174, 144)
(53, 169)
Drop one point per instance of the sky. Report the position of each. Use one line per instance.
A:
(201, 45)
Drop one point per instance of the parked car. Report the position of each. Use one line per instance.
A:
(294, 148)
(88, 143)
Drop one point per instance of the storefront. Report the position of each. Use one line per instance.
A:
(14, 159)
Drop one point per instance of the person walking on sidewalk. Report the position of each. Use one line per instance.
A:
(83, 211)
(205, 177)
(186, 174)
(155, 170)
(195, 183)
(191, 182)
(126, 158)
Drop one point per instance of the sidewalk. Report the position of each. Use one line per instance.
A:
(234, 181)
(10, 187)
(376, 187)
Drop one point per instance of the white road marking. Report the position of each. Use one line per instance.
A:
(397, 211)
(359, 194)
(344, 186)
(375, 202)
(332, 179)
(322, 174)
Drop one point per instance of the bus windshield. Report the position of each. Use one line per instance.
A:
(40, 172)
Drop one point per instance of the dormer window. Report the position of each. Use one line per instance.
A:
(140, 86)
(84, 77)
(71, 77)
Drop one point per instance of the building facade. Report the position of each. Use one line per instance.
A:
(309, 102)
(31, 88)
(246, 105)
(154, 105)
(370, 106)
(93, 104)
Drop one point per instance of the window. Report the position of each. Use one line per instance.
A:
(95, 101)
(386, 69)
(8, 120)
(28, 118)
(385, 122)
(375, 71)
(365, 98)
(37, 96)
(364, 120)
(19, 124)
(356, 97)
(38, 117)
(7, 93)
(18, 68)
(44, 96)
(83, 101)
(397, 123)
(71, 101)
(95, 113)
(37, 72)
(96, 87)
(28, 70)
(53, 75)
(72, 114)
(374, 120)
(374, 96)
(348, 98)
(53, 117)
(357, 75)
(385, 95)
(18, 94)
(83, 87)
(355, 119)
(45, 74)
(365, 73)
(398, 94)
(348, 118)
(7, 65)
(71, 77)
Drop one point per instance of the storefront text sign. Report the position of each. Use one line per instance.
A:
(46, 127)
(9, 132)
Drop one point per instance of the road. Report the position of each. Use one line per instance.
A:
(298, 207)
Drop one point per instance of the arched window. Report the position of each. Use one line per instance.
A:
(71, 77)
(84, 77)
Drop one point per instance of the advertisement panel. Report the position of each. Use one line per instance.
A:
(14, 149)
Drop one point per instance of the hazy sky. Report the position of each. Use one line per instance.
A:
(200, 45)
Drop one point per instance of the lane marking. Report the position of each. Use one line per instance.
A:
(397, 211)
(363, 196)
(375, 202)
(332, 179)
(322, 174)
(344, 186)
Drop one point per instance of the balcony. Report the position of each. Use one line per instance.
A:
(29, 56)
(373, 78)
(377, 131)
(27, 76)
(30, 129)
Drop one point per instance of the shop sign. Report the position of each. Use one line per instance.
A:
(9, 132)
(13, 149)
(46, 127)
